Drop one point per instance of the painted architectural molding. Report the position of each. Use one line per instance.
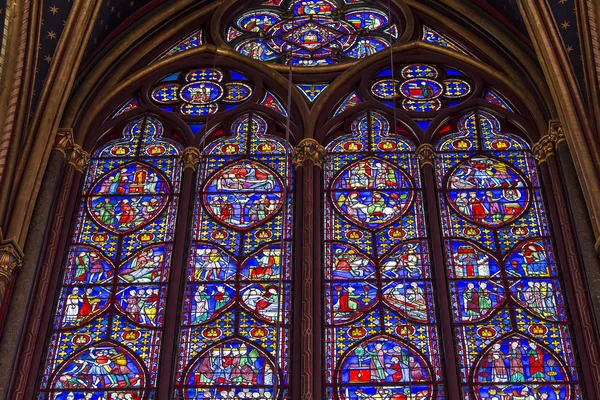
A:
(191, 158)
(308, 150)
(426, 155)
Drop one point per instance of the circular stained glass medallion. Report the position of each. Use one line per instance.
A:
(372, 193)
(201, 92)
(487, 191)
(243, 194)
(421, 89)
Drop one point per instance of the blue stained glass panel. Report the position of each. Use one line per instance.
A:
(202, 91)
(236, 312)
(510, 319)
(380, 328)
(108, 325)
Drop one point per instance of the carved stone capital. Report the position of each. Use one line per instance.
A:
(556, 132)
(191, 158)
(426, 155)
(308, 150)
(64, 141)
(79, 158)
(11, 259)
(543, 149)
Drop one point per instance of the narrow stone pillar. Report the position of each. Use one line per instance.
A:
(307, 158)
(30, 292)
(559, 194)
(426, 155)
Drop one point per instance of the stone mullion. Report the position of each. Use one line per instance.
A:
(308, 156)
(448, 357)
(585, 332)
(177, 275)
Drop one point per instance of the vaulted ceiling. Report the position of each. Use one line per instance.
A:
(116, 16)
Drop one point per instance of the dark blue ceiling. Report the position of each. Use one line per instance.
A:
(565, 17)
(117, 15)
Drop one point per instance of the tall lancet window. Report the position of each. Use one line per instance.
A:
(235, 327)
(381, 339)
(510, 320)
(108, 325)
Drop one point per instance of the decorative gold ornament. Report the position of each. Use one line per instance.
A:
(308, 150)
(556, 132)
(79, 158)
(426, 155)
(64, 141)
(548, 144)
(543, 149)
(191, 158)
(11, 259)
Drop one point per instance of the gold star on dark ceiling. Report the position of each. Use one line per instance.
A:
(54, 10)
(51, 35)
(565, 24)
(48, 58)
(569, 48)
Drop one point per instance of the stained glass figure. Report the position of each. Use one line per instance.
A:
(422, 88)
(192, 41)
(108, 326)
(312, 90)
(381, 339)
(352, 100)
(433, 37)
(496, 99)
(201, 91)
(271, 101)
(129, 105)
(312, 33)
(235, 329)
(510, 321)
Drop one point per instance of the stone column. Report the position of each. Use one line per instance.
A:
(307, 158)
(560, 194)
(579, 132)
(33, 283)
(426, 156)
(177, 274)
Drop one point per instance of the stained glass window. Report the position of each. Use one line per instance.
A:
(312, 33)
(433, 37)
(192, 41)
(510, 319)
(235, 328)
(381, 339)
(201, 91)
(422, 88)
(108, 326)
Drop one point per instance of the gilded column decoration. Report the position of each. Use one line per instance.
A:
(11, 258)
(64, 141)
(308, 149)
(75, 155)
(556, 132)
(548, 144)
(191, 158)
(543, 149)
(426, 155)
(79, 158)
